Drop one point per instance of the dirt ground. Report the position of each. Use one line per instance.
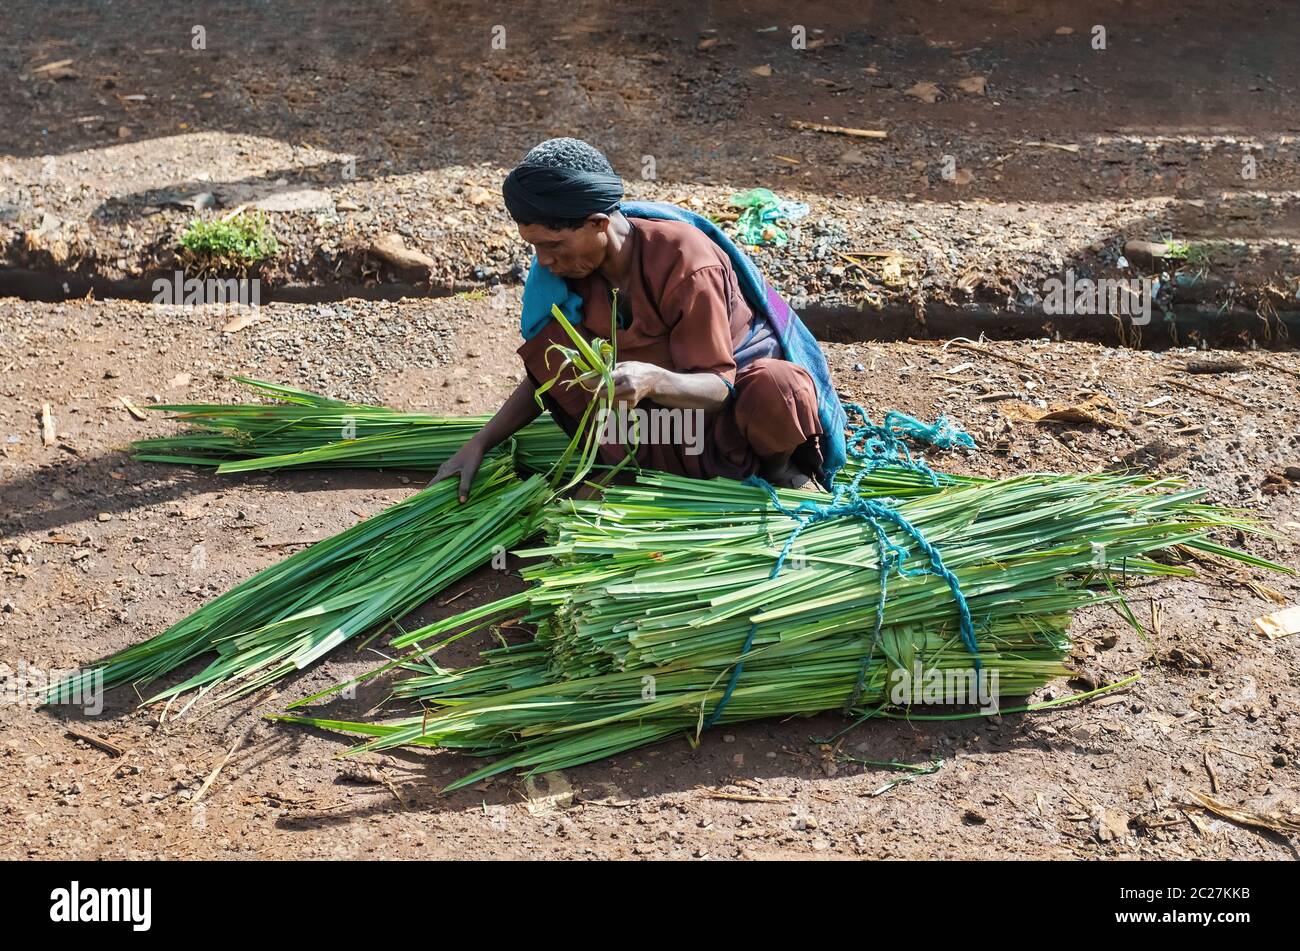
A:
(399, 117)
(1039, 152)
(99, 554)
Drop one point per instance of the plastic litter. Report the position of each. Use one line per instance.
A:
(761, 210)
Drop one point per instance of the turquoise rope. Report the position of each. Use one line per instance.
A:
(875, 446)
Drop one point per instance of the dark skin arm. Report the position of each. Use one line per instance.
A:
(635, 381)
(519, 409)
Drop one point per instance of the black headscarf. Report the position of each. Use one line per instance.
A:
(535, 193)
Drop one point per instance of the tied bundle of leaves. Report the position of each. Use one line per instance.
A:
(291, 614)
(646, 599)
(305, 429)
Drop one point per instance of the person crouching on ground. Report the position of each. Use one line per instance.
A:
(687, 339)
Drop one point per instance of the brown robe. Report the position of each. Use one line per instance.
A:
(682, 310)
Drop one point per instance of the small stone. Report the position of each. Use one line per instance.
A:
(104, 517)
(925, 91)
(1111, 825)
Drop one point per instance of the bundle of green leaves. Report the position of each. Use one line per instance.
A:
(306, 429)
(645, 599)
(289, 615)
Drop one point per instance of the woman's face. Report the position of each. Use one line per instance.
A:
(570, 252)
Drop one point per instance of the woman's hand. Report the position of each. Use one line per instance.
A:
(635, 381)
(466, 462)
